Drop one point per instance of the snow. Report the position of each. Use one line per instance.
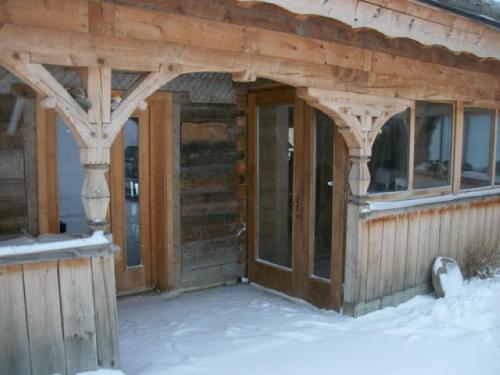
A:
(392, 205)
(243, 329)
(451, 281)
(25, 245)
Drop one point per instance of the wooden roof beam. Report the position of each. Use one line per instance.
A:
(42, 81)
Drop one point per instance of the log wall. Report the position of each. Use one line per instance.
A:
(398, 248)
(17, 170)
(58, 316)
(210, 221)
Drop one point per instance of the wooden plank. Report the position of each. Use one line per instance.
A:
(434, 233)
(423, 248)
(206, 131)
(77, 306)
(12, 163)
(412, 250)
(387, 260)
(48, 220)
(103, 281)
(445, 232)
(159, 105)
(44, 318)
(14, 344)
(30, 163)
(463, 236)
(173, 194)
(400, 249)
(373, 290)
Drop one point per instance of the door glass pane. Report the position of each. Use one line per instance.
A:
(275, 179)
(132, 217)
(476, 151)
(323, 196)
(497, 178)
(70, 174)
(433, 139)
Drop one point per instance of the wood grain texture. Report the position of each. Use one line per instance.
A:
(106, 321)
(78, 315)
(402, 246)
(43, 308)
(14, 344)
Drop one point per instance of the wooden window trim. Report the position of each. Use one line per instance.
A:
(492, 150)
(411, 192)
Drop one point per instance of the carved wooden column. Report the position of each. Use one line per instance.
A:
(359, 119)
(94, 127)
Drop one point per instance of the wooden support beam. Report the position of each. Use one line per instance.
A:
(40, 80)
(244, 76)
(137, 94)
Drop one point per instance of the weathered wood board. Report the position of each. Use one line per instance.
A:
(58, 316)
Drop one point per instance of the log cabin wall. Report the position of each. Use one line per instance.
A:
(17, 169)
(210, 216)
(398, 247)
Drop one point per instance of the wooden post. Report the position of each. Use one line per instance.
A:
(95, 196)
(355, 273)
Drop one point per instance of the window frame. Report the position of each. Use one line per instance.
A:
(492, 150)
(411, 192)
(496, 139)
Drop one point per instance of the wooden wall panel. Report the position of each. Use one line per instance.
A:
(402, 246)
(58, 316)
(209, 182)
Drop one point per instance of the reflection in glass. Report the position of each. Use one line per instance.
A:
(70, 175)
(323, 196)
(476, 154)
(497, 178)
(132, 218)
(275, 179)
(389, 162)
(433, 140)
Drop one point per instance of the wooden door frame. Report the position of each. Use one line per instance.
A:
(316, 288)
(271, 276)
(300, 282)
(162, 181)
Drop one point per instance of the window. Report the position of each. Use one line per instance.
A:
(497, 159)
(433, 145)
(389, 163)
(476, 150)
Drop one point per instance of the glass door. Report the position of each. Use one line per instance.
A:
(130, 205)
(274, 199)
(297, 180)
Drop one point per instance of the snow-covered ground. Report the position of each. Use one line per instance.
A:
(243, 329)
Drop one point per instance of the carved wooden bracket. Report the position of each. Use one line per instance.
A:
(359, 118)
(94, 129)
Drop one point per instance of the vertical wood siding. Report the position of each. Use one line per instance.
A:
(401, 247)
(58, 316)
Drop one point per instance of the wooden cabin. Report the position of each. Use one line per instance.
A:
(327, 150)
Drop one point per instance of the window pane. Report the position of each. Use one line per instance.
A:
(433, 140)
(132, 218)
(476, 151)
(389, 162)
(70, 174)
(324, 196)
(275, 176)
(497, 178)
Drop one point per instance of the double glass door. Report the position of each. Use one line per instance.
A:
(297, 166)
